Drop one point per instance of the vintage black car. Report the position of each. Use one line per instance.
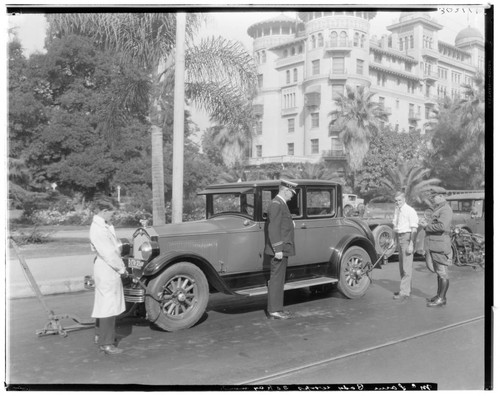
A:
(176, 266)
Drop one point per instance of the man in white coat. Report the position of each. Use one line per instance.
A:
(109, 301)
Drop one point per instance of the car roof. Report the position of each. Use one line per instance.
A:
(245, 186)
(463, 196)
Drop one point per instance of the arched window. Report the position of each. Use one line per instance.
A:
(356, 39)
(292, 51)
(411, 41)
(285, 53)
(334, 39)
(313, 42)
(263, 56)
(300, 49)
(288, 76)
(401, 44)
(320, 40)
(362, 41)
(406, 42)
(343, 39)
(295, 75)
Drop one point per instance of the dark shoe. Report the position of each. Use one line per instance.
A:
(110, 349)
(280, 315)
(440, 286)
(439, 302)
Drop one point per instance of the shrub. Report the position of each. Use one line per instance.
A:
(32, 237)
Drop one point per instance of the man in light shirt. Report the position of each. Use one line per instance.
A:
(405, 232)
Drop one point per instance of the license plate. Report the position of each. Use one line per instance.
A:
(134, 263)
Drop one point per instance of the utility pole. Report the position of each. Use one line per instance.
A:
(178, 143)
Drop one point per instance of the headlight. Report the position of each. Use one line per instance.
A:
(124, 247)
(146, 250)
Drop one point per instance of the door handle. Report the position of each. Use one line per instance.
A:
(303, 226)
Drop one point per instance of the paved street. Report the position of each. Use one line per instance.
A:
(332, 341)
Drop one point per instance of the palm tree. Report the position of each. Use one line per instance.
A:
(220, 75)
(471, 110)
(358, 117)
(412, 179)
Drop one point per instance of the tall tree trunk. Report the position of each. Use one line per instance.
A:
(178, 144)
(157, 175)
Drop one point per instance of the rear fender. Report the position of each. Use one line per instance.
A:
(162, 262)
(346, 243)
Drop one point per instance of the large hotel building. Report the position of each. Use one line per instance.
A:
(304, 62)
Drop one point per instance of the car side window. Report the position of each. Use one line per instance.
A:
(293, 204)
(320, 202)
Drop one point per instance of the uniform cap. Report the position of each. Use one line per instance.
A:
(288, 184)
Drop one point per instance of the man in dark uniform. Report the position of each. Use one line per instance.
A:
(279, 245)
(437, 234)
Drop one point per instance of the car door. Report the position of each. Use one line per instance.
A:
(319, 224)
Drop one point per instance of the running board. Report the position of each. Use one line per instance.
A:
(256, 291)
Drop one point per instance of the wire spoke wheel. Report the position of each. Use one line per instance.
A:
(353, 281)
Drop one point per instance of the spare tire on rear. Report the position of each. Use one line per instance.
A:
(383, 235)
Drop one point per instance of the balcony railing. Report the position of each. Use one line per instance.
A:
(289, 60)
(431, 75)
(414, 116)
(338, 45)
(289, 110)
(334, 154)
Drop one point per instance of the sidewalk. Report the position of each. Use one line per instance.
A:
(57, 274)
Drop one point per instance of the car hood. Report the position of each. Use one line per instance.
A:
(210, 226)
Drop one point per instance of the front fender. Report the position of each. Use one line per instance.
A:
(344, 244)
(160, 263)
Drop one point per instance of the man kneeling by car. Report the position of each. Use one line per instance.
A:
(279, 245)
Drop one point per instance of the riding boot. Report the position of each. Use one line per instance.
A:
(432, 299)
(441, 301)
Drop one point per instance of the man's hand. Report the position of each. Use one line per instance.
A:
(124, 275)
(278, 255)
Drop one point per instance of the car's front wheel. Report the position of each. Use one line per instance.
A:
(353, 280)
(178, 297)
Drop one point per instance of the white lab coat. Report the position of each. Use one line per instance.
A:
(109, 300)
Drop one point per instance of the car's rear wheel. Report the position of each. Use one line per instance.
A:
(178, 297)
(353, 280)
(347, 210)
(383, 236)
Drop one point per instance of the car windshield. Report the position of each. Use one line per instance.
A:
(233, 203)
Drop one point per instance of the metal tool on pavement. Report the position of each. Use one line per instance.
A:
(54, 325)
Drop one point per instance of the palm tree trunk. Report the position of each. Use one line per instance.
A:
(158, 180)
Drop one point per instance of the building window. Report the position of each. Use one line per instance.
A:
(288, 101)
(377, 58)
(315, 67)
(260, 80)
(397, 103)
(356, 39)
(314, 146)
(338, 65)
(343, 39)
(288, 76)
(313, 42)
(381, 79)
(334, 39)
(285, 53)
(292, 51)
(291, 149)
(359, 66)
(291, 125)
(258, 126)
(320, 40)
(295, 75)
(258, 150)
(314, 120)
(337, 89)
